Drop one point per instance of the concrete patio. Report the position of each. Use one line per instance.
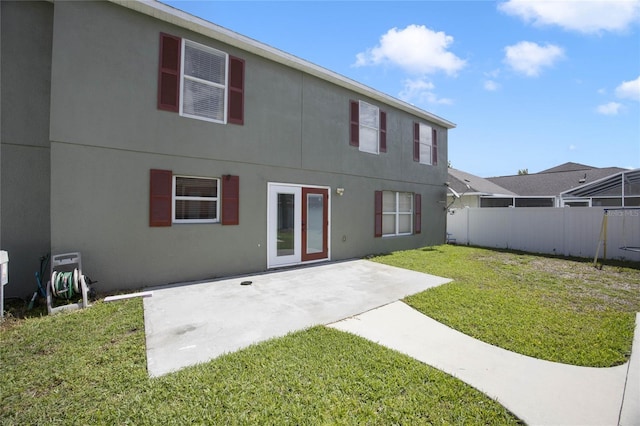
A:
(190, 324)
(193, 323)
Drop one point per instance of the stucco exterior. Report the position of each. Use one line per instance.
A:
(25, 83)
(84, 162)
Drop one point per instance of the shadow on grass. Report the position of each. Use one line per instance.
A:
(18, 308)
(437, 249)
(607, 262)
(431, 248)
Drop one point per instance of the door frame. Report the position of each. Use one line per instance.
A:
(296, 259)
(304, 256)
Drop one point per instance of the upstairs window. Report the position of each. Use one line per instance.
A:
(204, 82)
(368, 129)
(369, 126)
(425, 144)
(200, 82)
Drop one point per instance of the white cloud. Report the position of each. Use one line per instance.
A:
(530, 58)
(611, 108)
(421, 91)
(493, 74)
(572, 147)
(491, 85)
(629, 90)
(594, 16)
(416, 49)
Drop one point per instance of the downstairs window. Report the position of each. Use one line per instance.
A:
(397, 213)
(195, 200)
(191, 199)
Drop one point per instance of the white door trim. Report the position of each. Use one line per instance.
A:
(274, 261)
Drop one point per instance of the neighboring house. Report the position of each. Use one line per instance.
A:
(470, 191)
(543, 189)
(569, 184)
(619, 190)
(167, 149)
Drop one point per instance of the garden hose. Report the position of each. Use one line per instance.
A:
(66, 284)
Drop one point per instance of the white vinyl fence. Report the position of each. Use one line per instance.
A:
(562, 231)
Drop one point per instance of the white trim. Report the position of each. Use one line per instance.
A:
(270, 213)
(224, 87)
(128, 296)
(397, 213)
(362, 125)
(182, 19)
(424, 135)
(273, 260)
(174, 198)
(299, 185)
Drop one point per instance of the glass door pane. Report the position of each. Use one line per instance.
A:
(315, 223)
(284, 229)
(286, 225)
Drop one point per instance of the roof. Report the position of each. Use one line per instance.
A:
(554, 181)
(568, 167)
(177, 17)
(458, 181)
(610, 185)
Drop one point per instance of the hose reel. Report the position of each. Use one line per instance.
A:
(65, 285)
(67, 282)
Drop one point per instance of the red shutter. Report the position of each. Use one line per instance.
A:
(417, 213)
(416, 141)
(230, 200)
(383, 131)
(354, 121)
(378, 215)
(236, 90)
(160, 197)
(434, 147)
(169, 73)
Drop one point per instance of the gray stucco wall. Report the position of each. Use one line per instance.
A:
(26, 29)
(105, 123)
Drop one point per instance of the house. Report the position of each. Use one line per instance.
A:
(547, 185)
(469, 190)
(165, 148)
(569, 184)
(621, 189)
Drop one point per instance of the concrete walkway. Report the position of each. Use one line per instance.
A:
(538, 392)
(189, 324)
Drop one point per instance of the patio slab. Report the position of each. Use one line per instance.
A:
(194, 323)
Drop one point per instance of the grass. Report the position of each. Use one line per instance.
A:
(89, 367)
(562, 310)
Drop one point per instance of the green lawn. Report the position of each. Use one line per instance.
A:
(555, 309)
(89, 367)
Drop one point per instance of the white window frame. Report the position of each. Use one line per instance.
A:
(365, 126)
(426, 143)
(192, 198)
(183, 77)
(397, 214)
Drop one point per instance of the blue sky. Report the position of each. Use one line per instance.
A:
(530, 84)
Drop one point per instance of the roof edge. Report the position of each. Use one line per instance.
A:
(597, 181)
(177, 17)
